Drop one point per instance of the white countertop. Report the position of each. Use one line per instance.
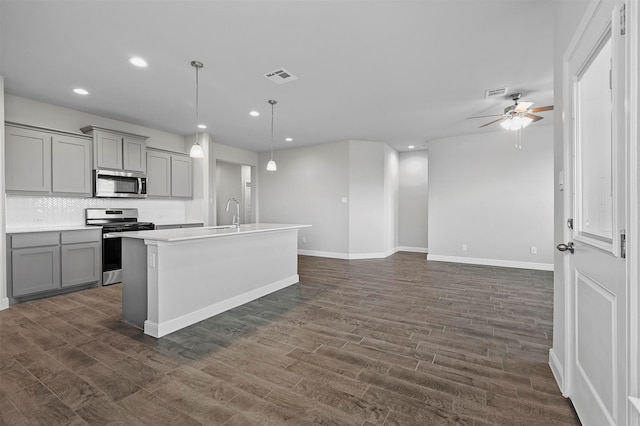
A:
(184, 234)
(51, 229)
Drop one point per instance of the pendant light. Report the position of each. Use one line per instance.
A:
(271, 165)
(196, 149)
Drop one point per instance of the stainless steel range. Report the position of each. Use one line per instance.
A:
(114, 220)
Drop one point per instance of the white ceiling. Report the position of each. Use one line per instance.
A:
(400, 72)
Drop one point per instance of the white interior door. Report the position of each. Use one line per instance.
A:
(596, 282)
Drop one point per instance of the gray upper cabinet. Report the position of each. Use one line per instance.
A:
(181, 176)
(118, 150)
(108, 148)
(169, 174)
(71, 160)
(43, 161)
(27, 160)
(158, 174)
(135, 154)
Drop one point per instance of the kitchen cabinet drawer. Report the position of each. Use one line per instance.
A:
(35, 270)
(35, 239)
(81, 236)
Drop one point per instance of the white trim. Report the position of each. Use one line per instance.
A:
(556, 369)
(635, 403)
(413, 249)
(162, 329)
(633, 231)
(491, 262)
(360, 256)
(4, 303)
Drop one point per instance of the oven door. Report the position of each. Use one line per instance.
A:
(111, 260)
(119, 184)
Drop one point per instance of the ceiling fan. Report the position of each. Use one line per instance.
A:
(518, 115)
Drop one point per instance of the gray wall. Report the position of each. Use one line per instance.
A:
(228, 185)
(367, 225)
(347, 191)
(307, 189)
(27, 111)
(495, 199)
(414, 201)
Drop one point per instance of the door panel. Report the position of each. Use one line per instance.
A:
(597, 363)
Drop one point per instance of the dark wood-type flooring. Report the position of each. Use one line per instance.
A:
(397, 341)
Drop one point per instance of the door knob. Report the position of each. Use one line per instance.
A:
(566, 247)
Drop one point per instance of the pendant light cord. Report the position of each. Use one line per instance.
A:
(272, 103)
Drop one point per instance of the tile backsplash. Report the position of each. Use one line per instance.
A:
(26, 212)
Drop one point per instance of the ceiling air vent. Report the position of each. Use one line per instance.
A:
(495, 92)
(280, 76)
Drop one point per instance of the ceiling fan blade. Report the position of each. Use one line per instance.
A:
(485, 116)
(533, 117)
(523, 106)
(544, 108)
(491, 122)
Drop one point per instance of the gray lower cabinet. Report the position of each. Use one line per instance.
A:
(35, 270)
(46, 162)
(169, 174)
(48, 263)
(80, 264)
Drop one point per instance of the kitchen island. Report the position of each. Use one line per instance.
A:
(177, 277)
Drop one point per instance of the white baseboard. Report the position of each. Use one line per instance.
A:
(4, 303)
(345, 256)
(158, 330)
(413, 249)
(491, 262)
(359, 256)
(557, 370)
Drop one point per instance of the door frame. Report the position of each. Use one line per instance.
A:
(632, 224)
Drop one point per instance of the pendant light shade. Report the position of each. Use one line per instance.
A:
(196, 150)
(271, 165)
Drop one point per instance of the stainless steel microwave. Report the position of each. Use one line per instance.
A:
(119, 184)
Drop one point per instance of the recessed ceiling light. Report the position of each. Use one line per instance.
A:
(288, 139)
(80, 91)
(202, 126)
(411, 147)
(254, 114)
(138, 62)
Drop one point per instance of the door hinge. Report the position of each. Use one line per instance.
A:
(570, 223)
(623, 20)
(623, 244)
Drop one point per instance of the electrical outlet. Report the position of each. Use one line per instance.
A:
(534, 250)
(463, 247)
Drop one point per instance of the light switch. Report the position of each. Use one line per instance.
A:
(344, 200)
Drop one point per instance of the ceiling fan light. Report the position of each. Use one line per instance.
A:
(516, 123)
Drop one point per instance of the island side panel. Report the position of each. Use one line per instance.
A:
(134, 281)
(196, 279)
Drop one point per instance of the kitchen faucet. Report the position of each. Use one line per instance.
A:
(236, 217)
